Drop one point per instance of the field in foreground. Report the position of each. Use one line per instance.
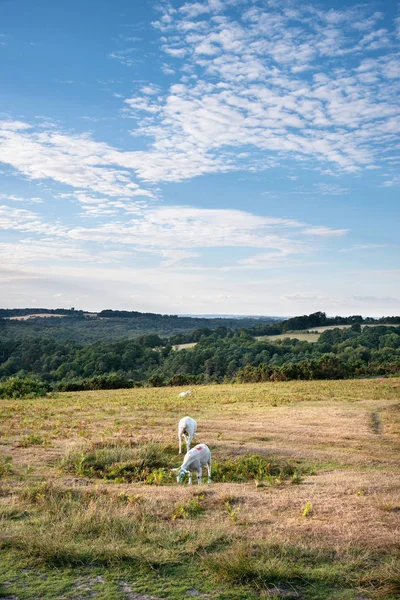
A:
(322, 523)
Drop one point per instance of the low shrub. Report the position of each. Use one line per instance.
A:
(112, 381)
(18, 387)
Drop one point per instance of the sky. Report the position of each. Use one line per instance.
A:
(211, 156)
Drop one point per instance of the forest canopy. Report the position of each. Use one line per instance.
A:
(220, 354)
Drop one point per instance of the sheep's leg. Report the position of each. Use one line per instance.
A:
(185, 437)
(180, 442)
(188, 442)
(209, 470)
(199, 476)
(190, 478)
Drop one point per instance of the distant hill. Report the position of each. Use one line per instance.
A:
(110, 325)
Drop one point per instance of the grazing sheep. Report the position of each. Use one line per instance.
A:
(187, 429)
(197, 458)
(184, 394)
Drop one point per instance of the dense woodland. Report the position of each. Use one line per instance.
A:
(45, 361)
(109, 325)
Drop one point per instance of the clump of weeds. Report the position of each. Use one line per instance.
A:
(33, 439)
(233, 513)
(5, 466)
(189, 510)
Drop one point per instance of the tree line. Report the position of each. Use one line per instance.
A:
(111, 325)
(220, 355)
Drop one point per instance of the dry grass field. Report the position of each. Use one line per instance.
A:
(310, 336)
(321, 523)
(300, 335)
(185, 346)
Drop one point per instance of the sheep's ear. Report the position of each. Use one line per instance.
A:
(174, 470)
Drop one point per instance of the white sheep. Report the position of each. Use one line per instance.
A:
(197, 458)
(184, 394)
(187, 429)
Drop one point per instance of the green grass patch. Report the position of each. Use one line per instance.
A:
(146, 463)
(262, 470)
(316, 573)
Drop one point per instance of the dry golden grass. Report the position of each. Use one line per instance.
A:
(348, 429)
(185, 346)
(313, 334)
(301, 336)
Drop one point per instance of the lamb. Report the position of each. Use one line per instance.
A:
(184, 394)
(197, 458)
(187, 429)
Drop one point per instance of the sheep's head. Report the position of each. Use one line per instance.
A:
(180, 474)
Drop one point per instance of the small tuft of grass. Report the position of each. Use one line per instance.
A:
(375, 422)
(296, 478)
(33, 439)
(233, 513)
(5, 466)
(307, 510)
(189, 510)
(388, 506)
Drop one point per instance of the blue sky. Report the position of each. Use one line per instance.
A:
(214, 156)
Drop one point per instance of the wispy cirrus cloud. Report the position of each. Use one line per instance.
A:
(361, 247)
(175, 233)
(314, 298)
(45, 250)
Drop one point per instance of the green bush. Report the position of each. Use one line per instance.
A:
(29, 387)
(113, 381)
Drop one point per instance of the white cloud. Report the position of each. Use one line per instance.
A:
(329, 189)
(249, 89)
(32, 251)
(14, 198)
(313, 298)
(257, 86)
(358, 247)
(75, 160)
(325, 232)
(375, 299)
(174, 233)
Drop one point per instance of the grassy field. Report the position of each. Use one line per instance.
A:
(305, 503)
(185, 346)
(310, 336)
(297, 335)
